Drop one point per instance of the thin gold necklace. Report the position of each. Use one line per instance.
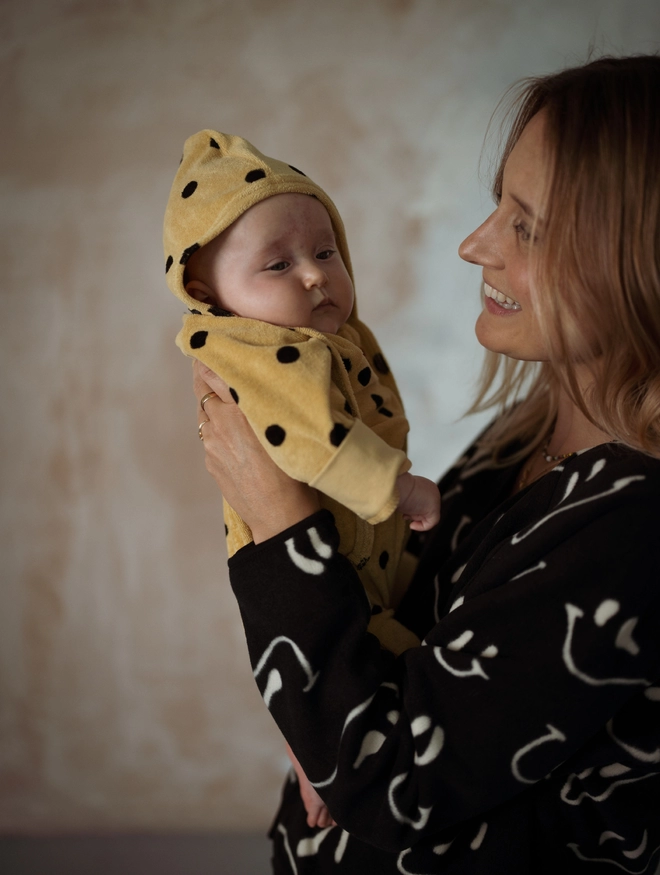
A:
(547, 458)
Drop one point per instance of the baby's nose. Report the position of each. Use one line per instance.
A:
(314, 276)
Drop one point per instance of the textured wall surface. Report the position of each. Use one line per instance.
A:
(126, 699)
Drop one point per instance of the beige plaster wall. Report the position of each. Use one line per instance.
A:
(126, 699)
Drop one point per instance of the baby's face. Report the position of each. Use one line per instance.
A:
(278, 262)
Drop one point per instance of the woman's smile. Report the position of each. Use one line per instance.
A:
(498, 301)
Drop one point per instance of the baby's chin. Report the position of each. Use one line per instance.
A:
(327, 321)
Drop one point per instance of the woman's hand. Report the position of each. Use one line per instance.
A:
(267, 499)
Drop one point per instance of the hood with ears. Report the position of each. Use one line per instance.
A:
(219, 178)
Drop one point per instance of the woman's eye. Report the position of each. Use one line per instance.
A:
(281, 265)
(523, 232)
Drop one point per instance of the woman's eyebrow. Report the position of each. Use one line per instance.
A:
(525, 207)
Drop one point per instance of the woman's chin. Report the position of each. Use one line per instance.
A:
(490, 337)
(495, 335)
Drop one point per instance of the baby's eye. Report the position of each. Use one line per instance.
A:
(281, 265)
(325, 254)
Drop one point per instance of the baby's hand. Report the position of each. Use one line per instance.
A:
(419, 501)
(317, 812)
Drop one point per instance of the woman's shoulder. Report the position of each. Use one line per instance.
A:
(606, 470)
(622, 457)
(602, 502)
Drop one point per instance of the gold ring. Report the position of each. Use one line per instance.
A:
(206, 398)
(200, 427)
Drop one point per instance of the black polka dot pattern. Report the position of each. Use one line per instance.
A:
(297, 171)
(214, 310)
(364, 376)
(385, 411)
(234, 394)
(253, 175)
(189, 189)
(169, 263)
(188, 252)
(288, 354)
(195, 312)
(275, 435)
(226, 530)
(338, 434)
(198, 339)
(348, 408)
(383, 559)
(380, 364)
(348, 364)
(377, 400)
(213, 144)
(376, 609)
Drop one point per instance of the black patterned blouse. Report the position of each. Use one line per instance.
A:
(523, 736)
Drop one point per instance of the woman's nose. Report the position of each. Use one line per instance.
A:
(482, 245)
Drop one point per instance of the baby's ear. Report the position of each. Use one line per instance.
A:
(200, 292)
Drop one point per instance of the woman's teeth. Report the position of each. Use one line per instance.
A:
(502, 299)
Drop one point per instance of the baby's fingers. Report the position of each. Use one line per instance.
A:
(424, 522)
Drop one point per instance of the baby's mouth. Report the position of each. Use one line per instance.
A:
(499, 297)
(326, 302)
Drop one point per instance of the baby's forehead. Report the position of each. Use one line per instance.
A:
(289, 203)
(266, 224)
(282, 215)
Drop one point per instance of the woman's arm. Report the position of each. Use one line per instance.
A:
(509, 685)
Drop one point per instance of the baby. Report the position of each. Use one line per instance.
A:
(257, 251)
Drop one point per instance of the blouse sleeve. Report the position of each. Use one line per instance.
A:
(550, 630)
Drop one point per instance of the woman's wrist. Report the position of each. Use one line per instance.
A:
(298, 504)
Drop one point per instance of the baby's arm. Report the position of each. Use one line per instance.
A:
(317, 813)
(419, 501)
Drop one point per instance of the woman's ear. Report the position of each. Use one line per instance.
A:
(200, 292)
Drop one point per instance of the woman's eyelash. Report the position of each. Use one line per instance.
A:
(523, 232)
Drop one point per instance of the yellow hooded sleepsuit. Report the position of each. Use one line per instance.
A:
(324, 406)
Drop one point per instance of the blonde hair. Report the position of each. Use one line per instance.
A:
(598, 267)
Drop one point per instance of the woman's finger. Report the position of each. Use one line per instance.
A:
(205, 381)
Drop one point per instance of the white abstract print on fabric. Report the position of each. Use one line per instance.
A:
(524, 733)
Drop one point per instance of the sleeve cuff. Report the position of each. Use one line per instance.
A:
(322, 518)
(362, 474)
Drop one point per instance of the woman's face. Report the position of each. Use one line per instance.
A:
(502, 246)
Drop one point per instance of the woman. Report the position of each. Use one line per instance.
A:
(524, 736)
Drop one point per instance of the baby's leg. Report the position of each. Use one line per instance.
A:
(317, 812)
